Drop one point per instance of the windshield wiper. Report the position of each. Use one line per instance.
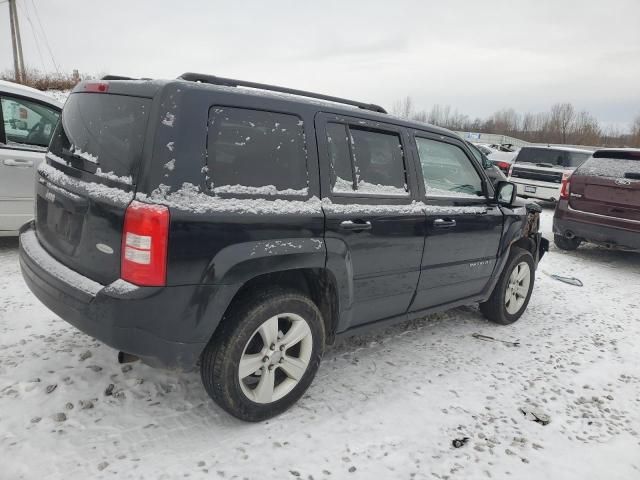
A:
(548, 165)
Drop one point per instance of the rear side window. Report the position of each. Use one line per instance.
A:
(447, 170)
(340, 157)
(366, 161)
(256, 152)
(102, 134)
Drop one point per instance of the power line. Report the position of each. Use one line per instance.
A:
(46, 40)
(25, 11)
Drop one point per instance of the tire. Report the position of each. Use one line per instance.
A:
(564, 243)
(496, 309)
(247, 328)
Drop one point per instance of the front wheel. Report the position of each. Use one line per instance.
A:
(511, 294)
(265, 355)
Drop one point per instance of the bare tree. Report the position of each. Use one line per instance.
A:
(403, 108)
(561, 124)
(586, 129)
(562, 118)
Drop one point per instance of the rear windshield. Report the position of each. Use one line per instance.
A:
(615, 167)
(544, 157)
(102, 134)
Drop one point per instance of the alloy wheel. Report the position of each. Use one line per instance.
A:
(275, 358)
(517, 288)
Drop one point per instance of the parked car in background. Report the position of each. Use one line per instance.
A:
(492, 171)
(190, 223)
(28, 118)
(600, 202)
(538, 171)
(501, 155)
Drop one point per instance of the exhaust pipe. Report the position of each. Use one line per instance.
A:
(126, 358)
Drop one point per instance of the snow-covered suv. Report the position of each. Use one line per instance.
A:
(199, 222)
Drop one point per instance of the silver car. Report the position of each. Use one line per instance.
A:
(27, 120)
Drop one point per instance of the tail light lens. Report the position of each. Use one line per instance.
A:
(144, 244)
(96, 87)
(504, 166)
(566, 186)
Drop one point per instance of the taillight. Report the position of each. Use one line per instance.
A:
(504, 166)
(96, 87)
(566, 186)
(144, 244)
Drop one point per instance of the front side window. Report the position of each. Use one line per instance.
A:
(366, 161)
(26, 123)
(256, 152)
(447, 171)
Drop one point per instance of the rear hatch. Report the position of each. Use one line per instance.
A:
(608, 184)
(89, 179)
(545, 164)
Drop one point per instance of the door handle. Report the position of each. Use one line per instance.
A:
(351, 225)
(10, 162)
(444, 223)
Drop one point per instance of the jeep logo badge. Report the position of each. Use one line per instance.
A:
(49, 196)
(104, 248)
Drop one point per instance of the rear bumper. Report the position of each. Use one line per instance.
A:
(164, 326)
(592, 228)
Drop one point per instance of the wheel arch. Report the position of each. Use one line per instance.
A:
(316, 282)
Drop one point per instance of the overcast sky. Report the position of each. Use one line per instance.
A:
(477, 56)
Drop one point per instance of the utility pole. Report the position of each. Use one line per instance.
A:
(16, 43)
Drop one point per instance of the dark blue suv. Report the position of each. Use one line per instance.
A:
(241, 227)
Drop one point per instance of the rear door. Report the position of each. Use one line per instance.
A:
(25, 131)
(608, 184)
(463, 228)
(372, 225)
(89, 179)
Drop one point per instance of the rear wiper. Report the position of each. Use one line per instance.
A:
(548, 165)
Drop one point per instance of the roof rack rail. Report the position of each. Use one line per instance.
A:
(117, 77)
(229, 82)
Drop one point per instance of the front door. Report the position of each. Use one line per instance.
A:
(463, 229)
(24, 135)
(372, 226)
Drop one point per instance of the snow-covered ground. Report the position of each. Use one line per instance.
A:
(383, 406)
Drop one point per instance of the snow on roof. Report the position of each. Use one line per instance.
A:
(17, 89)
(559, 147)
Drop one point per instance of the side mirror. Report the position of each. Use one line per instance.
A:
(506, 193)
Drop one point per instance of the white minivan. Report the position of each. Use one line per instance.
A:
(538, 171)
(27, 120)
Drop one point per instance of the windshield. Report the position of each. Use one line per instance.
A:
(102, 133)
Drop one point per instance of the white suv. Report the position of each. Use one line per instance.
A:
(27, 120)
(538, 171)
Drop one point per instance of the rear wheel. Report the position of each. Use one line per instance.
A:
(511, 294)
(265, 355)
(565, 243)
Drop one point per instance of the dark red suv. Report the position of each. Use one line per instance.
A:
(600, 202)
